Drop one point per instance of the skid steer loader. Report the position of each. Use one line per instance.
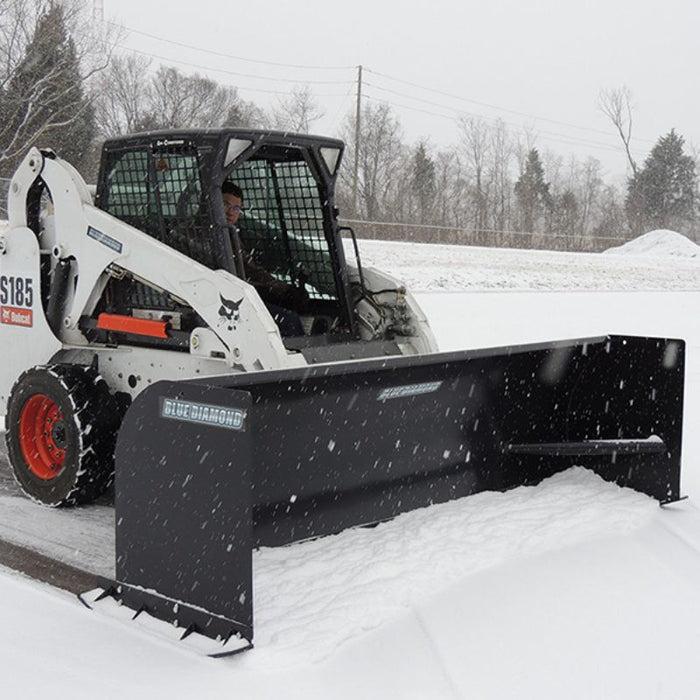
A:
(134, 333)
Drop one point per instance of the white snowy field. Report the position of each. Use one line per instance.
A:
(659, 260)
(572, 589)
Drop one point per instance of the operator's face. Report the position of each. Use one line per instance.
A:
(232, 207)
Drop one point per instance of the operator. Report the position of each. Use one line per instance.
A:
(288, 321)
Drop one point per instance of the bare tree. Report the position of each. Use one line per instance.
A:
(296, 112)
(381, 153)
(243, 113)
(132, 98)
(616, 104)
(178, 100)
(122, 96)
(476, 144)
(611, 220)
(450, 195)
(590, 186)
(503, 152)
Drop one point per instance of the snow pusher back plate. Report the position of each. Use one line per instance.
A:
(208, 469)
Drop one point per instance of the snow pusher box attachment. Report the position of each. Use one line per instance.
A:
(209, 469)
(271, 390)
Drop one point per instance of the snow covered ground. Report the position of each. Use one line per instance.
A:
(659, 260)
(572, 589)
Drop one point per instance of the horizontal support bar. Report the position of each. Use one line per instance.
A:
(652, 445)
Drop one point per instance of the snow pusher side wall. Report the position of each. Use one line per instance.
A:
(208, 469)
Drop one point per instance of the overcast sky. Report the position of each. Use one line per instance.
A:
(536, 65)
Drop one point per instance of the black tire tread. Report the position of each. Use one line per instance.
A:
(95, 416)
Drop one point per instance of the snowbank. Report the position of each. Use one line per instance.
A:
(313, 597)
(660, 242)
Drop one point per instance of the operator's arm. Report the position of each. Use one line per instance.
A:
(273, 290)
(257, 274)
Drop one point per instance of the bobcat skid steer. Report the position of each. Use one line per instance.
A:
(133, 333)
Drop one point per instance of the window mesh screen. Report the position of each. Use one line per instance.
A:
(281, 225)
(160, 193)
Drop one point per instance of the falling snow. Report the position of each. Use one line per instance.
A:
(574, 588)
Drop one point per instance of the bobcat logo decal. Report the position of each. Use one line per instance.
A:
(229, 313)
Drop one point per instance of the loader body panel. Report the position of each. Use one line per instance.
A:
(25, 335)
(320, 449)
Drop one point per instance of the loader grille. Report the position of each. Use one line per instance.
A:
(282, 223)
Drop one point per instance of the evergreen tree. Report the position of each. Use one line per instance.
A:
(664, 193)
(423, 183)
(44, 103)
(565, 214)
(532, 192)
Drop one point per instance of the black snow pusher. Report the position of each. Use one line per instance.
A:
(207, 470)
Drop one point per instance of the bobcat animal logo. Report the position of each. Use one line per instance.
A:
(229, 312)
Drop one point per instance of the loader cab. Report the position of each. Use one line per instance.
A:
(169, 186)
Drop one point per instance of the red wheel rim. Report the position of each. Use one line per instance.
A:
(42, 437)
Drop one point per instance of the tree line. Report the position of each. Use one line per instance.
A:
(63, 85)
(493, 188)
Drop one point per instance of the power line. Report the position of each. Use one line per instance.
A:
(495, 107)
(513, 128)
(229, 56)
(569, 140)
(369, 70)
(380, 100)
(236, 73)
(338, 114)
(552, 136)
(574, 139)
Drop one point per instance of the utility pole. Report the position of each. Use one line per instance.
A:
(358, 113)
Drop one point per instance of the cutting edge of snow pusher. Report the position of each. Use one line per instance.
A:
(208, 469)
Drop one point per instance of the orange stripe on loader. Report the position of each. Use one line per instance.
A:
(129, 324)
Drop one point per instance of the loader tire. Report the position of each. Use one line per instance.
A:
(61, 428)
